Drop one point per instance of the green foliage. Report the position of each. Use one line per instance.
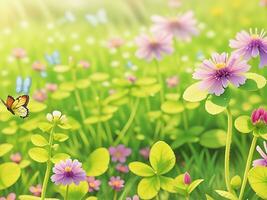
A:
(76, 192)
(5, 148)
(213, 138)
(97, 162)
(258, 180)
(194, 94)
(38, 154)
(9, 174)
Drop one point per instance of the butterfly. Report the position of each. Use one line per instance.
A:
(54, 58)
(99, 18)
(17, 106)
(23, 86)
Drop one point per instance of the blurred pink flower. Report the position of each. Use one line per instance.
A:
(150, 47)
(19, 53)
(84, 64)
(10, 196)
(16, 157)
(93, 183)
(36, 190)
(116, 183)
(175, 3)
(135, 197)
(51, 87)
(145, 152)
(172, 81)
(122, 168)
(131, 79)
(115, 43)
(38, 66)
(183, 26)
(40, 95)
(263, 3)
(119, 153)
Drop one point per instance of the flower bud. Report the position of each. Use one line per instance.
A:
(187, 178)
(236, 182)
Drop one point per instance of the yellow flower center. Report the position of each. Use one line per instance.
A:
(68, 169)
(92, 185)
(254, 36)
(116, 183)
(220, 65)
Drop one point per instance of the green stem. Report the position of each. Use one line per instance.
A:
(187, 197)
(160, 82)
(67, 193)
(115, 195)
(227, 150)
(249, 159)
(185, 120)
(128, 123)
(49, 163)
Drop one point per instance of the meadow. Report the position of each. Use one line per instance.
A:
(133, 99)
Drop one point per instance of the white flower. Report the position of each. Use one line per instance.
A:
(56, 116)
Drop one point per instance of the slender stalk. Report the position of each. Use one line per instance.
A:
(227, 150)
(187, 197)
(128, 123)
(185, 120)
(49, 163)
(160, 82)
(115, 195)
(67, 193)
(249, 159)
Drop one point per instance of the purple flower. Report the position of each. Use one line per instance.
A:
(182, 26)
(93, 183)
(263, 160)
(250, 45)
(145, 152)
(67, 172)
(119, 153)
(216, 73)
(154, 46)
(187, 178)
(135, 197)
(122, 168)
(116, 183)
(259, 115)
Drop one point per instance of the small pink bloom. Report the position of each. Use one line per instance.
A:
(10, 196)
(84, 64)
(172, 81)
(259, 115)
(36, 190)
(175, 3)
(152, 47)
(187, 178)
(19, 53)
(119, 153)
(38, 66)
(131, 79)
(93, 184)
(51, 87)
(40, 95)
(122, 168)
(16, 157)
(115, 43)
(135, 197)
(183, 26)
(145, 152)
(263, 3)
(116, 183)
